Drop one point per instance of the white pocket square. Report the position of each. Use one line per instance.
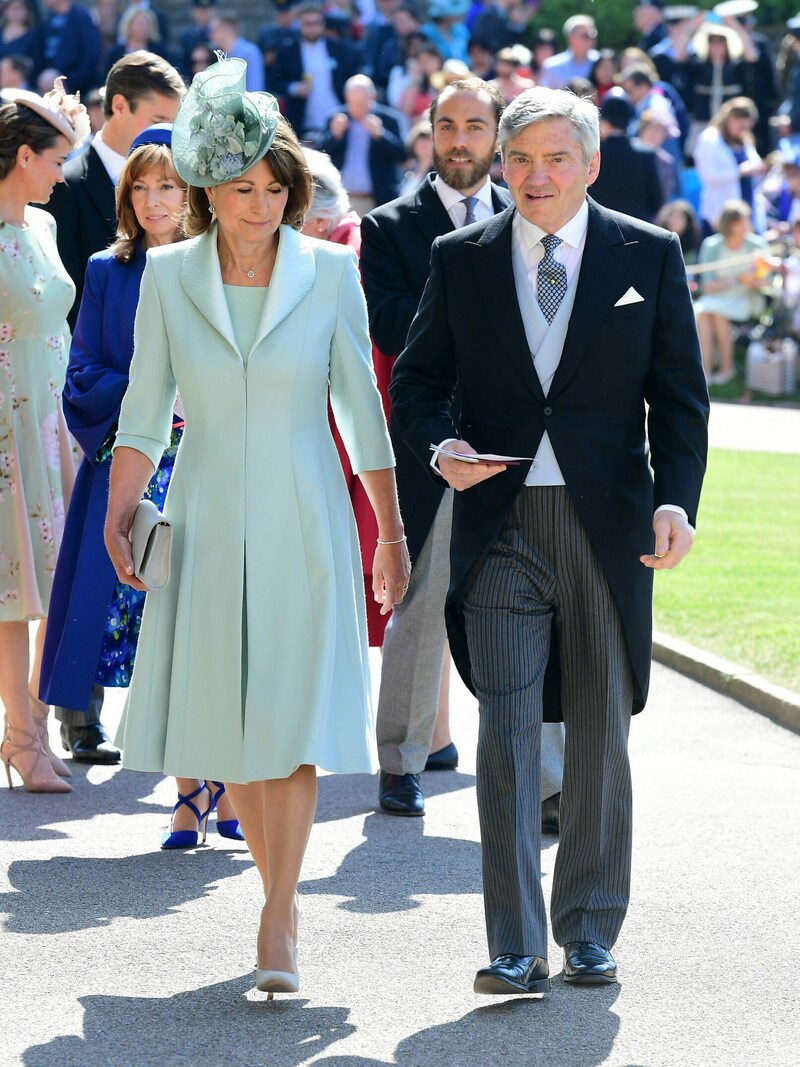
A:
(631, 297)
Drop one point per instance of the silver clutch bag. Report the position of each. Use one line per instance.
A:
(151, 545)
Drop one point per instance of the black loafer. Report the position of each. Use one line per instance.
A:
(444, 759)
(550, 815)
(89, 744)
(513, 974)
(400, 794)
(587, 963)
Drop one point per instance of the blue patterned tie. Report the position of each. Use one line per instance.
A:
(551, 279)
(469, 203)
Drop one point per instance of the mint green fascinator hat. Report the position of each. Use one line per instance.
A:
(221, 130)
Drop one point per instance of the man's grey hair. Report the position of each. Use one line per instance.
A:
(330, 200)
(543, 105)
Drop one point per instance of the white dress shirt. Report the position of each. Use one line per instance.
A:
(452, 201)
(111, 160)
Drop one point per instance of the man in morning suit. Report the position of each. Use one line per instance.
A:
(141, 89)
(569, 331)
(395, 263)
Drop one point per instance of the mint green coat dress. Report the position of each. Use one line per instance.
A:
(253, 659)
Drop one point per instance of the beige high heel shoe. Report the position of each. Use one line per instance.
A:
(40, 711)
(38, 776)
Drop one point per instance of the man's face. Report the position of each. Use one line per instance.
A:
(464, 138)
(312, 26)
(581, 40)
(635, 90)
(358, 100)
(546, 174)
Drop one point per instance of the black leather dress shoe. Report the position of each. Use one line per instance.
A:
(513, 974)
(89, 744)
(550, 815)
(587, 963)
(400, 794)
(444, 759)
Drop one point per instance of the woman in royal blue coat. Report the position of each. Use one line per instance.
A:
(94, 620)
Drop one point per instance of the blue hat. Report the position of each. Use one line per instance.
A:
(161, 133)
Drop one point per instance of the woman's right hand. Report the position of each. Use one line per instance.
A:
(118, 546)
(131, 470)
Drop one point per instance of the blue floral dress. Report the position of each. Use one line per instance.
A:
(121, 634)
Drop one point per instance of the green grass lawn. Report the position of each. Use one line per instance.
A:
(737, 593)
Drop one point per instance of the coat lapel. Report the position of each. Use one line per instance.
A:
(201, 279)
(429, 213)
(492, 264)
(292, 277)
(606, 258)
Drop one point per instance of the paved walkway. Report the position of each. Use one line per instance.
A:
(115, 954)
(748, 427)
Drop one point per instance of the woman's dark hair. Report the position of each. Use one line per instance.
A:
(605, 55)
(689, 237)
(289, 167)
(18, 126)
(145, 158)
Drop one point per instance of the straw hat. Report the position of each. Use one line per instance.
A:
(713, 26)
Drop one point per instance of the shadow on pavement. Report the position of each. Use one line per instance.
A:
(32, 816)
(568, 1028)
(67, 893)
(215, 1024)
(389, 868)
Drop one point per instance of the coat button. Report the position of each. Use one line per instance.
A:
(548, 411)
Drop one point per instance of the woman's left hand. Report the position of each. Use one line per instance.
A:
(391, 570)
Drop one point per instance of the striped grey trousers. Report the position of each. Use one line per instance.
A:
(542, 572)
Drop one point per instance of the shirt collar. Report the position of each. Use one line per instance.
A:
(450, 197)
(111, 160)
(571, 233)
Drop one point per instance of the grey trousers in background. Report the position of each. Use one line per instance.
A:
(541, 566)
(90, 717)
(413, 647)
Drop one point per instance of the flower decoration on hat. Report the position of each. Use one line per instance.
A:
(221, 129)
(219, 145)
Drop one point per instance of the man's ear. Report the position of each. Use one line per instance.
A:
(594, 168)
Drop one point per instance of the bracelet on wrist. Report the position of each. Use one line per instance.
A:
(399, 541)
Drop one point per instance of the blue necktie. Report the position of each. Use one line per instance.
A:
(469, 203)
(551, 279)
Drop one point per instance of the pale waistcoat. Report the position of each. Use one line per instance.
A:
(546, 343)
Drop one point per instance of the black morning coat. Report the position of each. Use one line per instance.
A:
(615, 361)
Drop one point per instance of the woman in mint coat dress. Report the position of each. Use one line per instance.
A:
(252, 663)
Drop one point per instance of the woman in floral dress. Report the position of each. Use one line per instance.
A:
(37, 460)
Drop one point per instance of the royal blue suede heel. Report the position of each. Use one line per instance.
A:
(229, 828)
(189, 838)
